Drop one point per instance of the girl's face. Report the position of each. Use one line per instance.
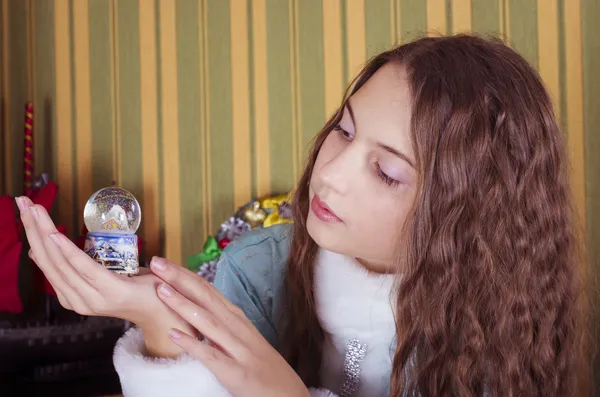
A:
(364, 182)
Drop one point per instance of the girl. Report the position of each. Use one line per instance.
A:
(432, 253)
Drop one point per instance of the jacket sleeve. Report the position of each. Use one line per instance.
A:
(143, 376)
(248, 275)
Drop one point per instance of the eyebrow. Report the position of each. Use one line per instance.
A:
(387, 148)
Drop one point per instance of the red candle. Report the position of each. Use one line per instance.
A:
(28, 160)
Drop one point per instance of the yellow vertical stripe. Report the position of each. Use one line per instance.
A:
(83, 115)
(547, 15)
(574, 87)
(461, 16)
(63, 110)
(436, 16)
(149, 124)
(332, 44)
(114, 89)
(171, 127)
(293, 90)
(355, 20)
(261, 98)
(7, 163)
(241, 102)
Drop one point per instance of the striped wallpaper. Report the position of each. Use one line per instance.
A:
(196, 106)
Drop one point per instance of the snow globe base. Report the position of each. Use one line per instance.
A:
(116, 252)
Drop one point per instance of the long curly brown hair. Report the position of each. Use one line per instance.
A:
(488, 299)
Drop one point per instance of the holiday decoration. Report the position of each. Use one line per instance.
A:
(28, 147)
(112, 215)
(254, 215)
(262, 213)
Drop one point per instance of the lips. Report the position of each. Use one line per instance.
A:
(322, 211)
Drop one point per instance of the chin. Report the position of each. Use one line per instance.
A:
(328, 236)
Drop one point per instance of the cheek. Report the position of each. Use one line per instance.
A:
(381, 223)
(326, 153)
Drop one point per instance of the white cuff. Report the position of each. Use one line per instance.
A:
(143, 376)
(321, 393)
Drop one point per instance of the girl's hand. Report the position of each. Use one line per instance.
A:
(82, 285)
(238, 355)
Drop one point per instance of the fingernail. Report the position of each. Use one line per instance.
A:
(20, 203)
(165, 290)
(34, 212)
(158, 264)
(173, 333)
(55, 237)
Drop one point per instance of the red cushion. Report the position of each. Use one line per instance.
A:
(10, 300)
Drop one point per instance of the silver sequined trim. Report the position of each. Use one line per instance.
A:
(355, 355)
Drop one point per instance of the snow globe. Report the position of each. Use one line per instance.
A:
(112, 216)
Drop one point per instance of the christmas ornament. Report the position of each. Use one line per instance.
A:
(233, 228)
(260, 213)
(224, 243)
(208, 271)
(280, 210)
(112, 216)
(28, 147)
(210, 253)
(254, 215)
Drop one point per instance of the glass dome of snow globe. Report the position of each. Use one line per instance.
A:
(112, 210)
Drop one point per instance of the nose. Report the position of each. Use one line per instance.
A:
(339, 172)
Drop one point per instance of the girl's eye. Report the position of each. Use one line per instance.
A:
(343, 133)
(385, 178)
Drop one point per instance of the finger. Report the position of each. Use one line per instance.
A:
(73, 262)
(61, 298)
(52, 239)
(192, 286)
(52, 274)
(206, 322)
(221, 365)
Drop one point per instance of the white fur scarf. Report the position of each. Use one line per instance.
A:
(353, 303)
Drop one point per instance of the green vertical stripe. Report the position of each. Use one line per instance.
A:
(485, 17)
(160, 129)
(377, 26)
(100, 94)
(128, 40)
(220, 103)
(413, 19)
(591, 84)
(17, 61)
(449, 21)
(280, 96)
(45, 97)
(523, 29)
(190, 140)
(312, 71)
(344, 26)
